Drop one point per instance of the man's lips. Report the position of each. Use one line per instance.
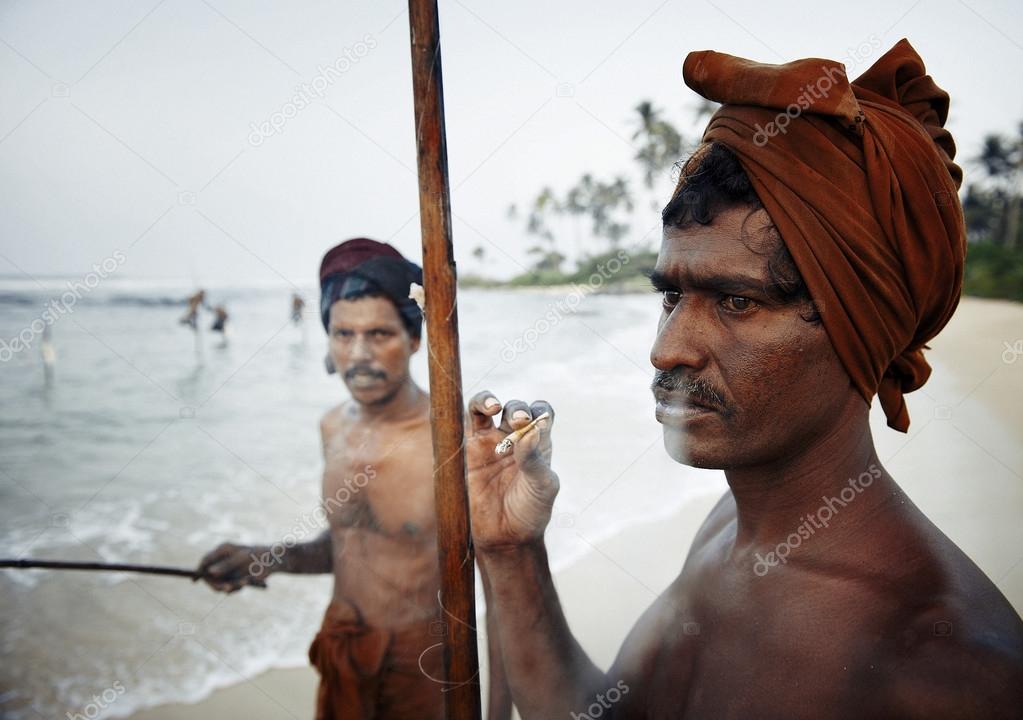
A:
(363, 379)
(676, 407)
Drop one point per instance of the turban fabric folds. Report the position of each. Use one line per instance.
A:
(859, 181)
(362, 266)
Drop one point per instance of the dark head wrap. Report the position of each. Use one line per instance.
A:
(360, 267)
(860, 182)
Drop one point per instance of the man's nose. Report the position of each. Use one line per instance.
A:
(681, 340)
(361, 349)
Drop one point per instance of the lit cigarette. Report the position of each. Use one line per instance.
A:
(505, 445)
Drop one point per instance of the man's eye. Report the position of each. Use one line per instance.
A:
(737, 303)
(670, 298)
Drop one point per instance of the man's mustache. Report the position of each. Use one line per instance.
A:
(695, 388)
(364, 370)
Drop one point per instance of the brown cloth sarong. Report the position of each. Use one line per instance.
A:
(369, 673)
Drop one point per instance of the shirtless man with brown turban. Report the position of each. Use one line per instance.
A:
(798, 278)
(379, 651)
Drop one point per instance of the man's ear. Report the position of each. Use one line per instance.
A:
(414, 343)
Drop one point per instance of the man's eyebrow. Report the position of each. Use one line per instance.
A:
(375, 328)
(717, 281)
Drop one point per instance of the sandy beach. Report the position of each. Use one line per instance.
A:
(961, 463)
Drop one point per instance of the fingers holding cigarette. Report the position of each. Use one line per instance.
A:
(517, 420)
(506, 445)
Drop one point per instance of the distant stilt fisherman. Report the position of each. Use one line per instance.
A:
(49, 355)
(220, 323)
(297, 306)
(191, 316)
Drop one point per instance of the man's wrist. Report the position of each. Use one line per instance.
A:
(264, 561)
(511, 554)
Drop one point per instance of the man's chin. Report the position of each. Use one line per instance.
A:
(684, 448)
(373, 396)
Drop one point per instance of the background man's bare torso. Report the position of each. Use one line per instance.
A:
(378, 491)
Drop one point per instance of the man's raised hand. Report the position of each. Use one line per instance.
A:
(228, 568)
(511, 496)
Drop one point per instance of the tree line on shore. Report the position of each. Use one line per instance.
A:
(603, 213)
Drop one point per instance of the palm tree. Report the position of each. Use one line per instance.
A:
(1002, 162)
(661, 143)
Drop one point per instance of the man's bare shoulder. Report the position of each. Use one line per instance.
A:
(956, 662)
(335, 419)
(669, 622)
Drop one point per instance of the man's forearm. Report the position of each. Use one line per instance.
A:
(549, 673)
(315, 556)
(499, 702)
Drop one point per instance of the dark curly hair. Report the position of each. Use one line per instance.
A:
(712, 180)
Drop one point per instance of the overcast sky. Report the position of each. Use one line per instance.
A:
(133, 126)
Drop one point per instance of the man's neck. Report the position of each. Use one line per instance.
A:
(408, 402)
(772, 501)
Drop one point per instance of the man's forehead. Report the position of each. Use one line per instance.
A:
(718, 249)
(364, 310)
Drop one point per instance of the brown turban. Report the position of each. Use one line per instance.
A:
(362, 265)
(859, 181)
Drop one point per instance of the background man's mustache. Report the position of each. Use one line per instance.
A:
(694, 387)
(364, 370)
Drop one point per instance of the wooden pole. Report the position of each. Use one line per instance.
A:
(457, 569)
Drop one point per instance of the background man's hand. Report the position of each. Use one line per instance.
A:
(510, 496)
(231, 567)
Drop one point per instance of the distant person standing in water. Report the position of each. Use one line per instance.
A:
(191, 316)
(49, 354)
(297, 306)
(220, 319)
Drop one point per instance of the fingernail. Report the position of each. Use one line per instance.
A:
(491, 402)
(520, 415)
